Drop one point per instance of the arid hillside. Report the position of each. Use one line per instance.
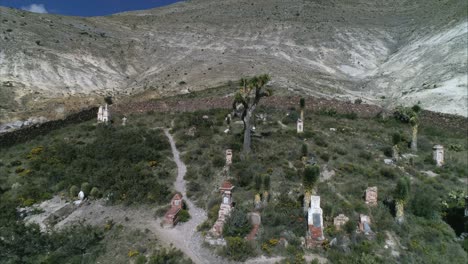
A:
(387, 53)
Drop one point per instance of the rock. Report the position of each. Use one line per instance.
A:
(388, 161)
(430, 173)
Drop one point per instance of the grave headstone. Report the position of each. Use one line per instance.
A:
(124, 121)
(228, 157)
(438, 155)
(81, 195)
(265, 198)
(371, 195)
(340, 221)
(257, 202)
(364, 224)
(300, 126)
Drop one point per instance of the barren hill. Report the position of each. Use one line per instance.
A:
(386, 52)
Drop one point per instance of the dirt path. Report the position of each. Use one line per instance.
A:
(184, 236)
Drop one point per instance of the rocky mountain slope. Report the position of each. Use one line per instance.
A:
(388, 53)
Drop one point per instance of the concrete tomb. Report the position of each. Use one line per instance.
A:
(371, 195)
(224, 210)
(255, 220)
(438, 155)
(171, 217)
(314, 235)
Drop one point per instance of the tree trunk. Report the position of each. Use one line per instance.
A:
(400, 211)
(248, 129)
(414, 141)
(306, 201)
(395, 154)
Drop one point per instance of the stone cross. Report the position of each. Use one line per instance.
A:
(371, 195)
(228, 157)
(340, 221)
(438, 155)
(300, 126)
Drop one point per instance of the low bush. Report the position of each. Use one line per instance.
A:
(238, 249)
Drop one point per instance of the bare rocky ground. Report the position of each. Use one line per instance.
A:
(398, 52)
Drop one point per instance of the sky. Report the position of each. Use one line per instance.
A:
(84, 7)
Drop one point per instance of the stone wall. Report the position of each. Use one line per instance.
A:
(24, 134)
(313, 104)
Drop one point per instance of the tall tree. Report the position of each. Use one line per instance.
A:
(410, 115)
(248, 97)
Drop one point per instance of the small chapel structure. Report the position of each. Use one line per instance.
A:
(103, 115)
(438, 155)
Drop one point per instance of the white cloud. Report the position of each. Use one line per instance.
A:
(35, 8)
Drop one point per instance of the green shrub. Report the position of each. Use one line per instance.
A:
(310, 176)
(424, 203)
(168, 256)
(304, 150)
(86, 188)
(266, 182)
(184, 215)
(141, 259)
(388, 173)
(365, 155)
(238, 249)
(387, 151)
(258, 182)
(320, 141)
(95, 192)
(237, 223)
(218, 162)
(74, 190)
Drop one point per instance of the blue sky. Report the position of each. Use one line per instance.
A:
(84, 7)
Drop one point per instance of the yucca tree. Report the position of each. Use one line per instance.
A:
(248, 96)
(410, 115)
